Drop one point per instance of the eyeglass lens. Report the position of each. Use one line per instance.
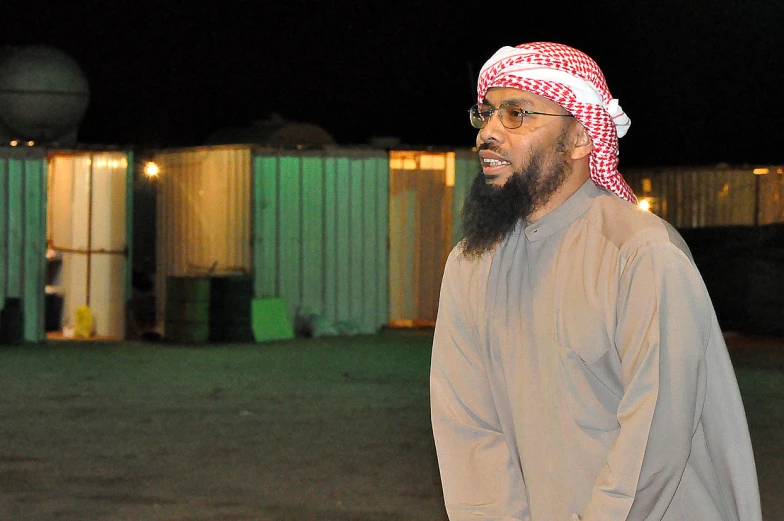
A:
(511, 116)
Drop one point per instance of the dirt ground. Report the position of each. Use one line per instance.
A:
(328, 429)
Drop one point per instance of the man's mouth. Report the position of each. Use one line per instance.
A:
(493, 168)
(494, 163)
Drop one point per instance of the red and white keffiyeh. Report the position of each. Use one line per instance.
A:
(574, 81)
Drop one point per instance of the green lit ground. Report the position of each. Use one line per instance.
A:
(327, 430)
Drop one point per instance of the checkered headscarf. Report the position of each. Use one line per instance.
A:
(574, 81)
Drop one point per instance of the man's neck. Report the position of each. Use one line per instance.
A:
(573, 183)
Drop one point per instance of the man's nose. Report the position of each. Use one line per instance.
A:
(493, 130)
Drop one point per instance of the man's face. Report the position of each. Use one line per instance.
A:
(522, 169)
(503, 151)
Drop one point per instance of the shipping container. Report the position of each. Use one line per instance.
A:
(770, 194)
(321, 233)
(696, 197)
(22, 244)
(63, 229)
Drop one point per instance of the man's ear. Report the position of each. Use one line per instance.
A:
(583, 144)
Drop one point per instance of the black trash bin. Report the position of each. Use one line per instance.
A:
(53, 312)
(12, 322)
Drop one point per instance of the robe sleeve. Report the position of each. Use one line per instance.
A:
(480, 481)
(663, 327)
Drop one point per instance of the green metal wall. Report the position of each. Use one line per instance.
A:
(23, 235)
(320, 233)
(466, 169)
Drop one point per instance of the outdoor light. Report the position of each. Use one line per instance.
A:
(761, 171)
(645, 205)
(118, 163)
(31, 143)
(151, 169)
(14, 143)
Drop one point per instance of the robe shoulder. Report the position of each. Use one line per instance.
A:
(630, 228)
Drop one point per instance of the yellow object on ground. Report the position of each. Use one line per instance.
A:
(84, 322)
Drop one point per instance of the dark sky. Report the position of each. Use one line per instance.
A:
(702, 80)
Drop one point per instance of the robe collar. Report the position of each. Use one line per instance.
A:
(565, 214)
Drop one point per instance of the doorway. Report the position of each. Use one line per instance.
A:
(87, 255)
(421, 188)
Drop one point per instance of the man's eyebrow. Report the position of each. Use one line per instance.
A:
(519, 101)
(512, 101)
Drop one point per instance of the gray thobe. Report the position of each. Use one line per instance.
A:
(579, 372)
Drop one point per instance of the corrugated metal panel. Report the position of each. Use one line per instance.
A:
(771, 196)
(421, 218)
(88, 228)
(466, 169)
(23, 235)
(129, 223)
(321, 229)
(697, 197)
(203, 214)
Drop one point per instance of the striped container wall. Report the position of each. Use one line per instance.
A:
(203, 214)
(771, 196)
(466, 169)
(321, 233)
(421, 191)
(22, 242)
(697, 197)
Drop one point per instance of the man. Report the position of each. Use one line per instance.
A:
(578, 369)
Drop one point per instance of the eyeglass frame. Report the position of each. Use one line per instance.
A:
(493, 110)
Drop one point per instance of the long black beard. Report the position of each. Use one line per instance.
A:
(490, 212)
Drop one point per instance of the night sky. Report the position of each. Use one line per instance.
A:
(702, 80)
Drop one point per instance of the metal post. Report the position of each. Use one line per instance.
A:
(756, 199)
(89, 228)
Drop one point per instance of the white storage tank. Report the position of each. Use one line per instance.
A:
(43, 96)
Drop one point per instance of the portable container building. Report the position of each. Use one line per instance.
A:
(63, 229)
(22, 244)
(353, 234)
(696, 197)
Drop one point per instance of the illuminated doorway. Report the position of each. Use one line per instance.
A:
(87, 254)
(421, 186)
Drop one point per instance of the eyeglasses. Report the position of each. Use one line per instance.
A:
(512, 116)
